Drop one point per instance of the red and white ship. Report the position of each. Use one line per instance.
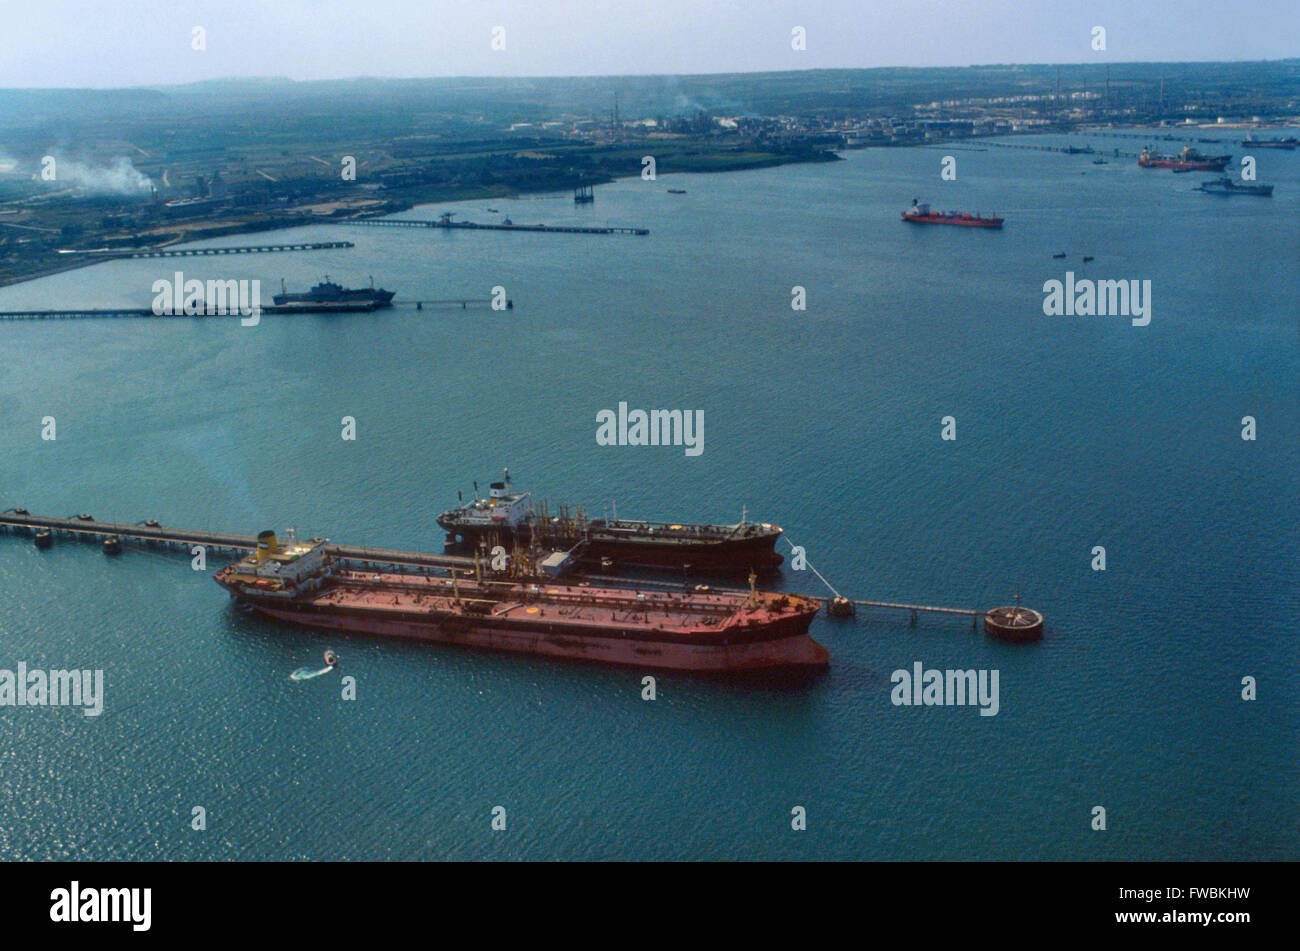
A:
(707, 631)
(920, 213)
(1188, 160)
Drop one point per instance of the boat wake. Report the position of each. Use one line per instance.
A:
(306, 673)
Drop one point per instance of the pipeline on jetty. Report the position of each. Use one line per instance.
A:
(462, 302)
(829, 602)
(87, 313)
(1015, 623)
(84, 313)
(1065, 149)
(447, 223)
(153, 535)
(204, 252)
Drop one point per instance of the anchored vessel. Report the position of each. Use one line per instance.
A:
(328, 296)
(1188, 160)
(696, 631)
(506, 517)
(1226, 186)
(1288, 143)
(920, 213)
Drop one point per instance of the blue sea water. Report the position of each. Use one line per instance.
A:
(1072, 432)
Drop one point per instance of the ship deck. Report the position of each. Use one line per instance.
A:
(559, 605)
(665, 533)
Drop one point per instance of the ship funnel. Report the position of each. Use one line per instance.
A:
(497, 490)
(266, 545)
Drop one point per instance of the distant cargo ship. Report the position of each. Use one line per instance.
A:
(506, 517)
(1288, 143)
(1226, 186)
(693, 631)
(920, 213)
(328, 296)
(1188, 160)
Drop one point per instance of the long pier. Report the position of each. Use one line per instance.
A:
(915, 608)
(270, 309)
(462, 302)
(828, 601)
(1065, 150)
(71, 314)
(205, 252)
(84, 529)
(449, 225)
(93, 313)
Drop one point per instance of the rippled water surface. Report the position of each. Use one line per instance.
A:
(1072, 433)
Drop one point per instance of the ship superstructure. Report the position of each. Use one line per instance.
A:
(282, 571)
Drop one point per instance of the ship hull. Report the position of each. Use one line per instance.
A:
(737, 554)
(1178, 166)
(792, 648)
(356, 300)
(324, 307)
(959, 222)
(1262, 191)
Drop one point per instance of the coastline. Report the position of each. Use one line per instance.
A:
(410, 197)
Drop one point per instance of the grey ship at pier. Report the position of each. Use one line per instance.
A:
(329, 296)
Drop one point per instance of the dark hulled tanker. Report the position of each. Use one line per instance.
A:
(507, 518)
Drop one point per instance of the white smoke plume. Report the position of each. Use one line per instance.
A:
(119, 178)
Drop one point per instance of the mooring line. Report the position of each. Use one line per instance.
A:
(811, 568)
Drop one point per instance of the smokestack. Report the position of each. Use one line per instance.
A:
(266, 545)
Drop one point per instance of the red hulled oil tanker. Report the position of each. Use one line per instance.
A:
(688, 630)
(1188, 160)
(921, 214)
(507, 517)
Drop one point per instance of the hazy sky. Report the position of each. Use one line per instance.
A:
(148, 42)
